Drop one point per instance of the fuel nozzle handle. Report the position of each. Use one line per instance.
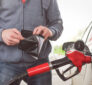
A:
(78, 53)
(60, 62)
(45, 67)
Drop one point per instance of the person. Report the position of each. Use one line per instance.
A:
(40, 16)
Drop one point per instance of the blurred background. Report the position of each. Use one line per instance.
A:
(76, 15)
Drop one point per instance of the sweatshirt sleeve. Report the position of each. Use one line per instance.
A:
(1, 34)
(55, 23)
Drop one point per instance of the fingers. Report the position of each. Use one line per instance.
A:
(13, 41)
(17, 34)
(11, 36)
(16, 31)
(45, 34)
(44, 31)
(38, 30)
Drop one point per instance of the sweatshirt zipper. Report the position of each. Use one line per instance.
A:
(23, 1)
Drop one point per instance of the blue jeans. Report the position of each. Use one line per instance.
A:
(9, 71)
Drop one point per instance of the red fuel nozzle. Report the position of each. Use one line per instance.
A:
(78, 58)
(38, 69)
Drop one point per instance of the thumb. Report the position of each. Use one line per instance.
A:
(18, 33)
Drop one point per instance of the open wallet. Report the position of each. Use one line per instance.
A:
(31, 44)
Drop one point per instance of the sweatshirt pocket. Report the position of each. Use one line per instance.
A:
(10, 54)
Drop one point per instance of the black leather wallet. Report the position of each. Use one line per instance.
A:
(29, 44)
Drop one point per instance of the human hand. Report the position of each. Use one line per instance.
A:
(11, 36)
(44, 31)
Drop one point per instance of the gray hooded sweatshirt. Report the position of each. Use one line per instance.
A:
(13, 14)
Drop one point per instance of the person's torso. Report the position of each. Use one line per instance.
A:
(14, 15)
